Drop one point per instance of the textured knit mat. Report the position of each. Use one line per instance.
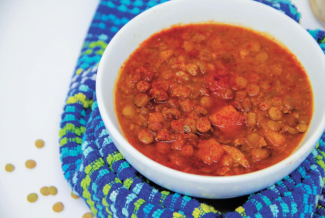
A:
(98, 173)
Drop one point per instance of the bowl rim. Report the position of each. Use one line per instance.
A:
(308, 145)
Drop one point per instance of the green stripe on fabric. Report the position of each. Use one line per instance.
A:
(95, 165)
(80, 98)
(128, 182)
(69, 127)
(65, 140)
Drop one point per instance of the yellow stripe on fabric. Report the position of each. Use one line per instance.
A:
(178, 215)
(111, 158)
(85, 183)
(321, 163)
(100, 52)
(202, 210)
(138, 203)
(99, 43)
(92, 206)
(128, 182)
(196, 213)
(79, 71)
(109, 213)
(105, 202)
(107, 188)
(322, 153)
(86, 194)
(241, 211)
(319, 157)
(80, 98)
(320, 160)
(323, 40)
(208, 209)
(88, 51)
(117, 180)
(164, 194)
(137, 206)
(95, 165)
(65, 140)
(69, 127)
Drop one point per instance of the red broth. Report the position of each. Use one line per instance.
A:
(213, 99)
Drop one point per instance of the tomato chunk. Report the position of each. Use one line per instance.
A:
(227, 119)
(210, 151)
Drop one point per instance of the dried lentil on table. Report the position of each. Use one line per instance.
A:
(39, 143)
(57, 207)
(31, 198)
(45, 191)
(9, 167)
(88, 215)
(74, 196)
(53, 190)
(30, 164)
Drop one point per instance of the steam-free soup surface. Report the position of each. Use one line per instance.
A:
(213, 99)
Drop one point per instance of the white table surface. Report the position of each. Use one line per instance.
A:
(40, 43)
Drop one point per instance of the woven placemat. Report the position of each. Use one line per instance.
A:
(97, 172)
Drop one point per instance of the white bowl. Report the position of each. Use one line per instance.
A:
(239, 12)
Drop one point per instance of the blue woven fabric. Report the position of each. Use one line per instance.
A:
(98, 173)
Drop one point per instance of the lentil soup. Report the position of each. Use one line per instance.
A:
(213, 99)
